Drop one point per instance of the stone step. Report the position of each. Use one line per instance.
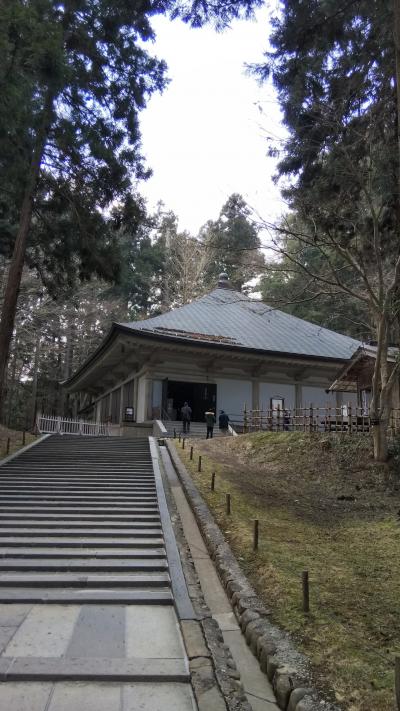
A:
(7, 518)
(89, 552)
(75, 534)
(91, 564)
(94, 580)
(94, 669)
(85, 596)
(78, 522)
(153, 539)
(91, 479)
(136, 503)
(85, 470)
(100, 511)
(62, 462)
(97, 474)
(50, 488)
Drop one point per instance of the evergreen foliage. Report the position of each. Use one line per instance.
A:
(233, 244)
(74, 77)
(334, 70)
(79, 70)
(337, 73)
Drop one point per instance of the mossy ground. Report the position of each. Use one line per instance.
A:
(325, 507)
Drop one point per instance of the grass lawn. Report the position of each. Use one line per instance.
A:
(15, 440)
(323, 506)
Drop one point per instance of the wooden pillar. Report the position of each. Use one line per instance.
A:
(255, 395)
(135, 398)
(149, 398)
(121, 405)
(298, 396)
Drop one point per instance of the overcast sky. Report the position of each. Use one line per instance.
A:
(206, 136)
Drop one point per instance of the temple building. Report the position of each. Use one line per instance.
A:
(356, 376)
(221, 351)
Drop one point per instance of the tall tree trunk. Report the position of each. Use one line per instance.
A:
(377, 412)
(12, 385)
(35, 383)
(396, 33)
(381, 397)
(380, 440)
(18, 258)
(68, 363)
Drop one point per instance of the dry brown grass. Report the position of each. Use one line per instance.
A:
(351, 548)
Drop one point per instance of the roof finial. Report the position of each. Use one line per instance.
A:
(223, 281)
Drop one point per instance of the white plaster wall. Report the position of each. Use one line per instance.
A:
(232, 395)
(141, 400)
(285, 390)
(157, 393)
(350, 399)
(317, 397)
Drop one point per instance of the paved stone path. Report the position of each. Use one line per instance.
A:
(89, 617)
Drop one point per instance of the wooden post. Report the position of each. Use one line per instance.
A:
(397, 681)
(199, 464)
(183, 443)
(23, 437)
(179, 438)
(191, 453)
(350, 418)
(310, 427)
(245, 421)
(228, 504)
(8, 446)
(306, 591)
(174, 433)
(255, 535)
(213, 481)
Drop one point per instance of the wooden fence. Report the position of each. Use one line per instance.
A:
(347, 418)
(48, 424)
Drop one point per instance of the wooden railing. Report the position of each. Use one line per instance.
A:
(347, 418)
(48, 424)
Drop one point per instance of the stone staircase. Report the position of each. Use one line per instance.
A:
(91, 587)
(78, 505)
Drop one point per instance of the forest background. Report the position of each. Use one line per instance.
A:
(333, 259)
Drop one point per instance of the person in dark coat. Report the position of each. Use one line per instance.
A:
(223, 421)
(210, 422)
(186, 413)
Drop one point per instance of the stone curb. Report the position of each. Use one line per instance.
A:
(287, 669)
(214, 674)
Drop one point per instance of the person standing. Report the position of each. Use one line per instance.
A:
(186, 413)
(223, 421)
(210, 422)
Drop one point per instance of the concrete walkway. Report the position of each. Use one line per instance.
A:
(256, 684)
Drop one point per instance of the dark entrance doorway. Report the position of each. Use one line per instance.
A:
(200, 397)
